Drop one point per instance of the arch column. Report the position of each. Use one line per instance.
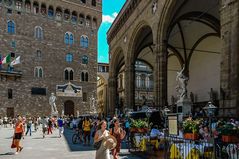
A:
(112, 95)
(129, 86)
(161, 74)
(229, 99)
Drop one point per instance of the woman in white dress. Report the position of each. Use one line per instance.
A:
(101, 134)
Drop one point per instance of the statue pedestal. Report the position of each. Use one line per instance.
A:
(54, 114)
(184, 106)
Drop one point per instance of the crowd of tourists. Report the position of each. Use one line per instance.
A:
(92, 130)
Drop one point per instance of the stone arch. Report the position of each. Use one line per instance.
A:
(178, 38)
(131, 47)
(117, 62)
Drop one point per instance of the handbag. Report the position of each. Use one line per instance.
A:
(13, 144)
(97, 144)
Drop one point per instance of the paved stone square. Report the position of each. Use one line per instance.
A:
(51, 147)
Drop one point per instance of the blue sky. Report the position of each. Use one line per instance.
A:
(110, 10)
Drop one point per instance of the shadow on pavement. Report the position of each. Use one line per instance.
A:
(8, 153)
(76, 147)
(37, 138)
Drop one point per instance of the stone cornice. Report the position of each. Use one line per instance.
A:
(121, 19)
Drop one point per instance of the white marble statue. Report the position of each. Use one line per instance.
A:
(182, 84)
(52, 102)
(154, 7)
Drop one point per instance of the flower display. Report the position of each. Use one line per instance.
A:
(191, 126)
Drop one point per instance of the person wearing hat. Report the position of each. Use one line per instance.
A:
(101, 136)
(119, 134)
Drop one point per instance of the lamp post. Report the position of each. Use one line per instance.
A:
(210, 110)
(148, 114)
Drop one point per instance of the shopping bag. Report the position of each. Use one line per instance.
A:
(13, 144)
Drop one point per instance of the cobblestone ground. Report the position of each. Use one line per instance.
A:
(51, 147)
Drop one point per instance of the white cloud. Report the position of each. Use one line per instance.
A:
(109, 18)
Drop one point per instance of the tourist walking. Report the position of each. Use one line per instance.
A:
(50, 124)
(100, 135)
(86, 128)
(29, 126)
(119, 134)
(60, 126)
(44, 123)
(18, 133)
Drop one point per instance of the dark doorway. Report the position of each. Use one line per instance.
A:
(69, 108)
(10, 112)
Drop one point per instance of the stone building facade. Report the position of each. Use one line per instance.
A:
(102, 89)
(200, 36)
(57, 44)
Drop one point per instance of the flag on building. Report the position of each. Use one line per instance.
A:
(6, 59)
(16, 61)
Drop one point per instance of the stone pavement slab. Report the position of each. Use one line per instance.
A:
(51, 147)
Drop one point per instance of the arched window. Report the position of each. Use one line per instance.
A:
(138, 79)
(38, 33)
(43, 9)
(68, 73)
(11, 27)
(86, 76)
(84, 42)
(93, 2)
(143, 81)
(35, 7)
(69, 57)
(94, 25)
(58, 13)
(18, 4)
(147, 82)
(85, 59)
(74, 17)
(88, 21)
(28, 6)
(82, 19)
(67, 14)
(82, 76)
(38, 72)
(71, 75)
(50, 12)
(69, 38)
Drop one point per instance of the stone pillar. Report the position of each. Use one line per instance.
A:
(112, 95)
(129, 86)
(162, 73)
(105, 98)
(156, 75)
(230, 58)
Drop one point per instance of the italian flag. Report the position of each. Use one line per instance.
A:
(6, 59)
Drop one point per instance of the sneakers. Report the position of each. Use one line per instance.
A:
(16, 153)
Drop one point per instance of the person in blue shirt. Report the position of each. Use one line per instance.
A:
(60, 124)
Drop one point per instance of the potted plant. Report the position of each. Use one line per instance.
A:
(139, 125)
(191, 129)
(229, 132)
